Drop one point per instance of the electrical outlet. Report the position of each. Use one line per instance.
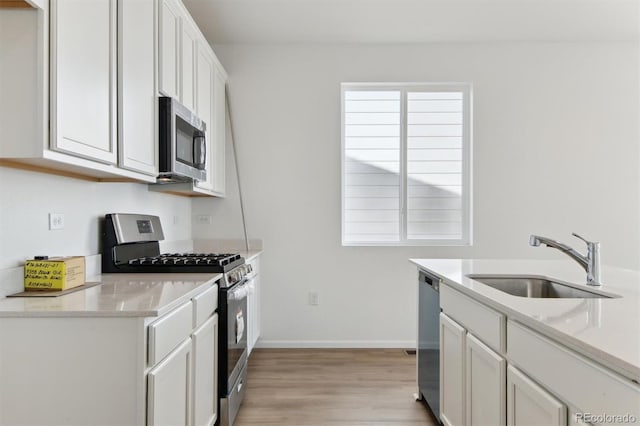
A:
(203, 219)
(176, 220)
(313, 298)
(56, 221)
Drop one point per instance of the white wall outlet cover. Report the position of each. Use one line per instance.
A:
(56, 221)
(203, 219)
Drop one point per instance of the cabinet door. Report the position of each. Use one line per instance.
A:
(452, 377)
(83, 78)
(485, 384)
(188, 58)
(251, 314)
(169, 48)
(258, 312)
(204, 103)
(205, 373)
(529, 404)
(169, 389)
(137, 102)
(219, 135)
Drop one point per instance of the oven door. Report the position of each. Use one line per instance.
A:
(236, 332)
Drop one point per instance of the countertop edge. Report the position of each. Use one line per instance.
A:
(151, 313)
(187, 296)
(252, 254)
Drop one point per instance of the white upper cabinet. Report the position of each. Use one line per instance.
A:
(188, 53)
(190, 72)
(81, 95)
(218, 136)
(83, 78)
(81, 92)
(205, 104)
(169, 48)
(137, 101)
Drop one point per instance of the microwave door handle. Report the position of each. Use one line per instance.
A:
(199, 150)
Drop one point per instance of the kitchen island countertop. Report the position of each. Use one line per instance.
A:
(606, 330)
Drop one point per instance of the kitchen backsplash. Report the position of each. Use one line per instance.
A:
(27, 198)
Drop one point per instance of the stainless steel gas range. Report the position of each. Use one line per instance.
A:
(131, 244)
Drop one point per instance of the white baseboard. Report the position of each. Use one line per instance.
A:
(336, 344)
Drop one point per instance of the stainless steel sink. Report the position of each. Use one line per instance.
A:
(536, 287)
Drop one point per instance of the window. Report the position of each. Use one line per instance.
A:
(406, 153)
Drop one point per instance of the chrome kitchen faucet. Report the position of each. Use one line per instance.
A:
(590, 262)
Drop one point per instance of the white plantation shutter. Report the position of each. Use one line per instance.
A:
(406, 152)
(434, 165)
(372, 181)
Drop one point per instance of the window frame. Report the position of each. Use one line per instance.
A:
(467, 156)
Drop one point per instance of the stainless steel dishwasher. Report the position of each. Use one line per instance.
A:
(429, 341)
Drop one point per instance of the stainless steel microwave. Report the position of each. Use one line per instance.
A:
(183, 148)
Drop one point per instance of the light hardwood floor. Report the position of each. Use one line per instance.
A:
(333, 387)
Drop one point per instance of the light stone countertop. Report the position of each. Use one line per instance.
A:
(605, 330)
(118, 295)
(250, 255)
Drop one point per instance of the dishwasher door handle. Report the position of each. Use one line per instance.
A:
(430, 280)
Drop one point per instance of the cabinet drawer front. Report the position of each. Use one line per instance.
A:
(575, 379)
(483, 322)
(169, 331)
(204, 305)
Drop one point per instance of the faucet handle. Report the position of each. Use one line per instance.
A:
(583, 239)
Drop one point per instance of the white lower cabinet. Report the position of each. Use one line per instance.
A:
(205, 373)
(497, 371)
(169, 389)
(472, 378)
(530, 405)
(112, 370)
(452, 393)
(485, 377)
(253, 305)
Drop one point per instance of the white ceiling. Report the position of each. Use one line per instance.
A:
(415, 21)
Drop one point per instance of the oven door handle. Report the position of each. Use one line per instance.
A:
(239, 326)
(239, 292)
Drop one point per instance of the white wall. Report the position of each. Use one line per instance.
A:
(26, 199)
(555, 151)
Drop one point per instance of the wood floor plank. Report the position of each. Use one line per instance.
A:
(332, 387)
